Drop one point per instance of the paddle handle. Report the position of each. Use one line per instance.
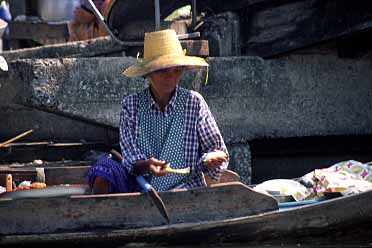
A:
(140, 179)
(143, 183)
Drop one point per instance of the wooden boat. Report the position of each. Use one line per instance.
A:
(123, 12)
(229, 212)
(268, 27)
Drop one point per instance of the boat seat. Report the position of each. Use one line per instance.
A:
(227, 176)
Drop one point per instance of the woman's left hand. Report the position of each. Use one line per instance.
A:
(215, 159)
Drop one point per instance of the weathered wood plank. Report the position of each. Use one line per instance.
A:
(283, 28)
(223, 33)
(26, 153)
(132, 210)
(88, 48)
(38, 30)
(96, 47)
(61, 175)
(135, 30)
(192, 47)
(196, 47)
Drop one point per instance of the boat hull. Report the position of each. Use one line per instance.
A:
(345, 219)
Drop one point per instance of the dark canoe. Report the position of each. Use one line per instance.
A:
(63, 163)
(130, 19)
(230, 212)
(55, 173)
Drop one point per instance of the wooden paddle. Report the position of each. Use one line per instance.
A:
(154, 196)
(15, 138)
(149, 190)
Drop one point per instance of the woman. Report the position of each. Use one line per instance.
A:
(166, 125)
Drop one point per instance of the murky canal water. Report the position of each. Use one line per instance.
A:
(242, 245)
(255, 246)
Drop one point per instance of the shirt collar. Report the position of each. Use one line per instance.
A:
(153, 105)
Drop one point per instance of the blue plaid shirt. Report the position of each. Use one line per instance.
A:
(201, 134)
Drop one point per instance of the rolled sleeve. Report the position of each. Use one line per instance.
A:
(210, 140)
(128, 134)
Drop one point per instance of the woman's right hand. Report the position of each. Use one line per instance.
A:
(152, 165)
(157, 167)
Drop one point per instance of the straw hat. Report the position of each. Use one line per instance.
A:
(162, 49)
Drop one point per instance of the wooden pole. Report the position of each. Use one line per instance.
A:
(157, 15)
(15, 138)
(193, 12)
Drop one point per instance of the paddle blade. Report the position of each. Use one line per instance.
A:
(159, 204)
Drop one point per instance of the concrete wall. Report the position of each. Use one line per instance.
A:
(16, 118)
(294, 96)
(251, 98)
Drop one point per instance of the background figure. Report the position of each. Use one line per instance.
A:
(85, 25)
(4, 11)
(5, 17)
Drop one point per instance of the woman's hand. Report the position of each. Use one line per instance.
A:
(215, 159)
(158, 167)
(152, 165)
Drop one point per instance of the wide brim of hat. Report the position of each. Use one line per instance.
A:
(163, 62)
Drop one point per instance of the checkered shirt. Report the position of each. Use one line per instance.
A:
(201, 134)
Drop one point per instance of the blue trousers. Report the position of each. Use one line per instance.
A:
(120, 181)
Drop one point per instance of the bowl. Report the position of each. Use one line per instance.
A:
(51, 191)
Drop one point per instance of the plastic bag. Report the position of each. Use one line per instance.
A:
(284, 187)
